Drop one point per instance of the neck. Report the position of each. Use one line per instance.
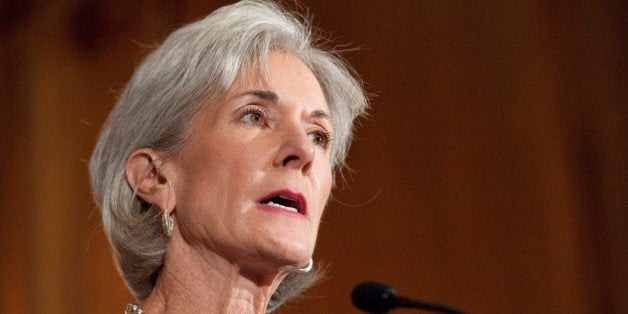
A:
(203, 282)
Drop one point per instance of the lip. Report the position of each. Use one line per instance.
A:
(288, 194)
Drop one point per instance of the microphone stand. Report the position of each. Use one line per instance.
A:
(429, 306)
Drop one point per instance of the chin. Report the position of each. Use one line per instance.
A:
(287, 251)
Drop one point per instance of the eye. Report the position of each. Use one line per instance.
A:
(254, 116)
(321, 138)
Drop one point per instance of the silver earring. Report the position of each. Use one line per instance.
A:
(167, 223)
(307, 268)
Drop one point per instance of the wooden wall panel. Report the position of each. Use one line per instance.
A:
(491, 173)
(15, 188)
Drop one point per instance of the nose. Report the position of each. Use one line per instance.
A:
(296, 151)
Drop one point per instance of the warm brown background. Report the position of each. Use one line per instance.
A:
(491, 174)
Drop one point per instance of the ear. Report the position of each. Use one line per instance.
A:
(152, 180)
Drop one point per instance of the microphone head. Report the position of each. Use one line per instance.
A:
(374, 297)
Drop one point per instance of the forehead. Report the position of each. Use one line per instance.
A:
(287, 77)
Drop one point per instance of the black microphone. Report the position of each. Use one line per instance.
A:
(375, 297)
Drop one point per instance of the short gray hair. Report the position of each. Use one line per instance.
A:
(194, 67)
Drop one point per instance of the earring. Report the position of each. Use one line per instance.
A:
(167, 223)
(307, 268)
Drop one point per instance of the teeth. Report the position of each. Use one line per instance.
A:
(292, 209)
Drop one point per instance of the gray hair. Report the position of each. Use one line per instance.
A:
(191, 70)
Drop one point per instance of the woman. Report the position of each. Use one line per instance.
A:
(213, 169)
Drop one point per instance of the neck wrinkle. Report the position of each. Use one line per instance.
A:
(205, 283)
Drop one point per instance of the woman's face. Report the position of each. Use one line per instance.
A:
(253, 179)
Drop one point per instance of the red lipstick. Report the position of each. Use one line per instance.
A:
(285, 201)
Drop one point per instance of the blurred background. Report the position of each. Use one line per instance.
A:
(491, 173)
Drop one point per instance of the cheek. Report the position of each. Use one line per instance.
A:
(201, 171)
(221, 175)
(326, 186)
(323, 184)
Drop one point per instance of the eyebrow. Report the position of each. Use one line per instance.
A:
(272, 96)
(322, 115)
(264, 94)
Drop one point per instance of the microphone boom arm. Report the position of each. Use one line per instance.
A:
(428, 306)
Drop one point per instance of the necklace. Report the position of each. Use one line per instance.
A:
(133, 309)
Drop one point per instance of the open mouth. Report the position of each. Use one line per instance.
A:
(289, 203)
